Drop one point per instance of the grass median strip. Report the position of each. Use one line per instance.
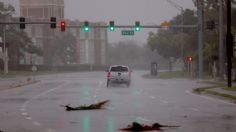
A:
(231, 89)
(221, 94)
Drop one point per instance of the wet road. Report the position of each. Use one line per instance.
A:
(36, 108)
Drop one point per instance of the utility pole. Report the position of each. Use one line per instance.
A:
(221, 41)
(200, 37)
(5, 54)
(229, 44)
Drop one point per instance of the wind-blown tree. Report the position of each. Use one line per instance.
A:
(18, 40)
(168, 42)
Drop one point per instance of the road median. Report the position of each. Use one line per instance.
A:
(218, 90)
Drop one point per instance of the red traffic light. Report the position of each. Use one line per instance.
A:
(63, 26)
(189, 58)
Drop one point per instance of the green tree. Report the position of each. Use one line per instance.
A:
(168, 43)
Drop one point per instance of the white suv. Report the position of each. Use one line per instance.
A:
(118, 74)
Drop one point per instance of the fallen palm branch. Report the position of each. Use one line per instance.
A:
(95, 106)
(140, 127)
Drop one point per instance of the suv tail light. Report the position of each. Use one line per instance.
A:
(109, 74)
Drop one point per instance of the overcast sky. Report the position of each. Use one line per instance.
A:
(124, 12)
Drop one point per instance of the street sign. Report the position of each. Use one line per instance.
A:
(127, 32)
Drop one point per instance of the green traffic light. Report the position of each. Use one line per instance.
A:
(137, 29)
(86, 26)
(137, 26)
(86, 29)
(112, 28)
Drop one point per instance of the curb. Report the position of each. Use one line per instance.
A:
(19, 84)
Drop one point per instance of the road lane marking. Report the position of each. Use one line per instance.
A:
(28, 118)
(152, 97)
(50, 130)
(36, 123)
(164, 101)
(195, 109)
(23, 107)
(41, 94)
(24, 114)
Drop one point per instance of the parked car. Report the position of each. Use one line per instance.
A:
(119, 74)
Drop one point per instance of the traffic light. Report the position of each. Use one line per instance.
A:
(22, 21)
(165, 24)
(137, 26)
(63, 26)
(53, 22)
(211, 24)
(112, 26)
(86, 26)
(189, 58)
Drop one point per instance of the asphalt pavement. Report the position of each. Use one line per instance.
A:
(37, 107)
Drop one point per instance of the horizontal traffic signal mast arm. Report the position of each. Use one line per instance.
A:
(101, 26)
(14, 23)
(133, 26)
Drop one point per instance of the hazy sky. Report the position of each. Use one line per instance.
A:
(124, 12)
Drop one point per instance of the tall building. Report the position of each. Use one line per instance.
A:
(42, 35)
(91, 46)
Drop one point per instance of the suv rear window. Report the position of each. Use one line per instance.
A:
(119, 69)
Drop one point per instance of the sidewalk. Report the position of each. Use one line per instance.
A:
(14, 82)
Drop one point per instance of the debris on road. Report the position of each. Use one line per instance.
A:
(98, 105)
(140, 127)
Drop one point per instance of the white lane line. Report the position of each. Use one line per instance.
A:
(24, 114)
(152, 97)
(195, 109)
(36, 123)
(209, 98)
(164, 101)
(50, 130)
(28, 118)
(41, 94)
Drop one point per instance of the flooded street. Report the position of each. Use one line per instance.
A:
(37, 107)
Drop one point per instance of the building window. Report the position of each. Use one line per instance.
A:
(35, 12)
